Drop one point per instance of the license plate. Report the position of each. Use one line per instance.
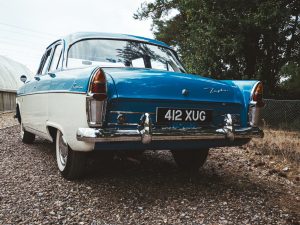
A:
(164, 115)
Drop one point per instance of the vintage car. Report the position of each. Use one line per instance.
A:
(114, 92)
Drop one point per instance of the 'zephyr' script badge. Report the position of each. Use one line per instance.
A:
(213, 90)
(76, 86)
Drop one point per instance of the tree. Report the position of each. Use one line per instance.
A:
(290, 86)
(233, 39)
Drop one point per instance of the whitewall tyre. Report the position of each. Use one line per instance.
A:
(70, 163)
(27, 137)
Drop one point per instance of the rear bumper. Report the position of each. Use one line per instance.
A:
(146, 134)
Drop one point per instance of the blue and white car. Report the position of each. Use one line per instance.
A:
(107, 92)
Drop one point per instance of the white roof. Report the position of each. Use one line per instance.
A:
(10, 72)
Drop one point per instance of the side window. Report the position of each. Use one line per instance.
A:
(139, 63)
(45, 62)
(56, 59)
(156, 64)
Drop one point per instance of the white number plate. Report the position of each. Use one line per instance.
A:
(183, 115)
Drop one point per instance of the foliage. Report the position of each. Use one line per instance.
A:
(291, 75)
(233, 39)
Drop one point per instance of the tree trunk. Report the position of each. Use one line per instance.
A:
(251, 53)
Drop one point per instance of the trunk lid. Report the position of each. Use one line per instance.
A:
(143, 90)
(132, 83)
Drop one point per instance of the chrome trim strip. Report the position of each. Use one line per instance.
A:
(129, 112)
(52, 92)
(122, 124)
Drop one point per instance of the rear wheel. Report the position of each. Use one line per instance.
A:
(70, 163)
(27, 137)
(190, 159)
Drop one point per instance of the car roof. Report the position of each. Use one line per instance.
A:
(71, 38)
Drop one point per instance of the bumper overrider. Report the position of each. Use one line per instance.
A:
(145, 133)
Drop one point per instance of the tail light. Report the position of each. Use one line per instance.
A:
(98, 86)
(256, 105)
(257, 95)
(96, 99)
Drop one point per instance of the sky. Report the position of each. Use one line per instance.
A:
(27, 27)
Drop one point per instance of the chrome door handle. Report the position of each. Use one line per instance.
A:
(52, 75)
(37, 78)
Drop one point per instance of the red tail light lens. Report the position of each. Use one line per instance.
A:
(98, 86)
(258, 95)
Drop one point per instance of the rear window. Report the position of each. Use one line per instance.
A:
(119, 53)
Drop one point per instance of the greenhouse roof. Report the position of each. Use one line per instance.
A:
(10, 72)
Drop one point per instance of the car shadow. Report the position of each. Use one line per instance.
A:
(156, 176)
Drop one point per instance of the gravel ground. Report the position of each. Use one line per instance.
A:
(234, 187)
(6, 119)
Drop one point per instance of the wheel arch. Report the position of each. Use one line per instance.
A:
(18, 113)
(52, 129)
(70, 137)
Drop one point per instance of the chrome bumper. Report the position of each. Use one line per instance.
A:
(146, 134)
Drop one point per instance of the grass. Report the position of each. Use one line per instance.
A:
(281, 143)
(280, 150)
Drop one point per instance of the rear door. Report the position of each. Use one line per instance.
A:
(38, 91)
(33, 108)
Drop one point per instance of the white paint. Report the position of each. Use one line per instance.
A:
(64, 111)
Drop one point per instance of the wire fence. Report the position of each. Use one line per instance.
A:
(282, 114)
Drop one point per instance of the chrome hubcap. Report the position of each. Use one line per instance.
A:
(63, 150)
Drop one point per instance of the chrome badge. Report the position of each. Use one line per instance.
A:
(214, 90)
(185, 92)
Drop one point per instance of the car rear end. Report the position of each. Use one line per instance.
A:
(167, 110)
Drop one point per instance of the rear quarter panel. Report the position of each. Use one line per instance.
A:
(245, 87)
(67, 104)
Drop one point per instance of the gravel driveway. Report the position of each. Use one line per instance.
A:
(230, 189)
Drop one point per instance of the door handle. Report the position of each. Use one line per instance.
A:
(52, 75)
(37, 78)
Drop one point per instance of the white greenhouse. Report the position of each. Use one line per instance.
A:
(10, 72)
